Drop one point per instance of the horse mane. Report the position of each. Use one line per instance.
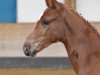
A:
(72, 17)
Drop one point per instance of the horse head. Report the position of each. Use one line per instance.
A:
(49, 29)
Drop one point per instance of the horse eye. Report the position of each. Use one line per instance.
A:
(46, 22)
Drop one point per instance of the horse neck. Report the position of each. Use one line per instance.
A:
(78, 30)
(80, 37)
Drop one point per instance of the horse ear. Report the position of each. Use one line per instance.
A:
(54, 4)
(49, 3)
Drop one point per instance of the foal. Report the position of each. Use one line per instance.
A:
(63, 24)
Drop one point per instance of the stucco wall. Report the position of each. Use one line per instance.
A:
(30, 10)
(89, 9)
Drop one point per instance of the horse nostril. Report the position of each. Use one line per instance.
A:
(27, 53)
(26, 49)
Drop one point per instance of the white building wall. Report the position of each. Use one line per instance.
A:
(30, 10)
(90, 9)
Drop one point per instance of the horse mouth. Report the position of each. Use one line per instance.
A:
(33, 54)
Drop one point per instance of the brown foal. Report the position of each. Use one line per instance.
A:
(63, 24)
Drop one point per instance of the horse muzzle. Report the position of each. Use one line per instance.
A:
(29, 50)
